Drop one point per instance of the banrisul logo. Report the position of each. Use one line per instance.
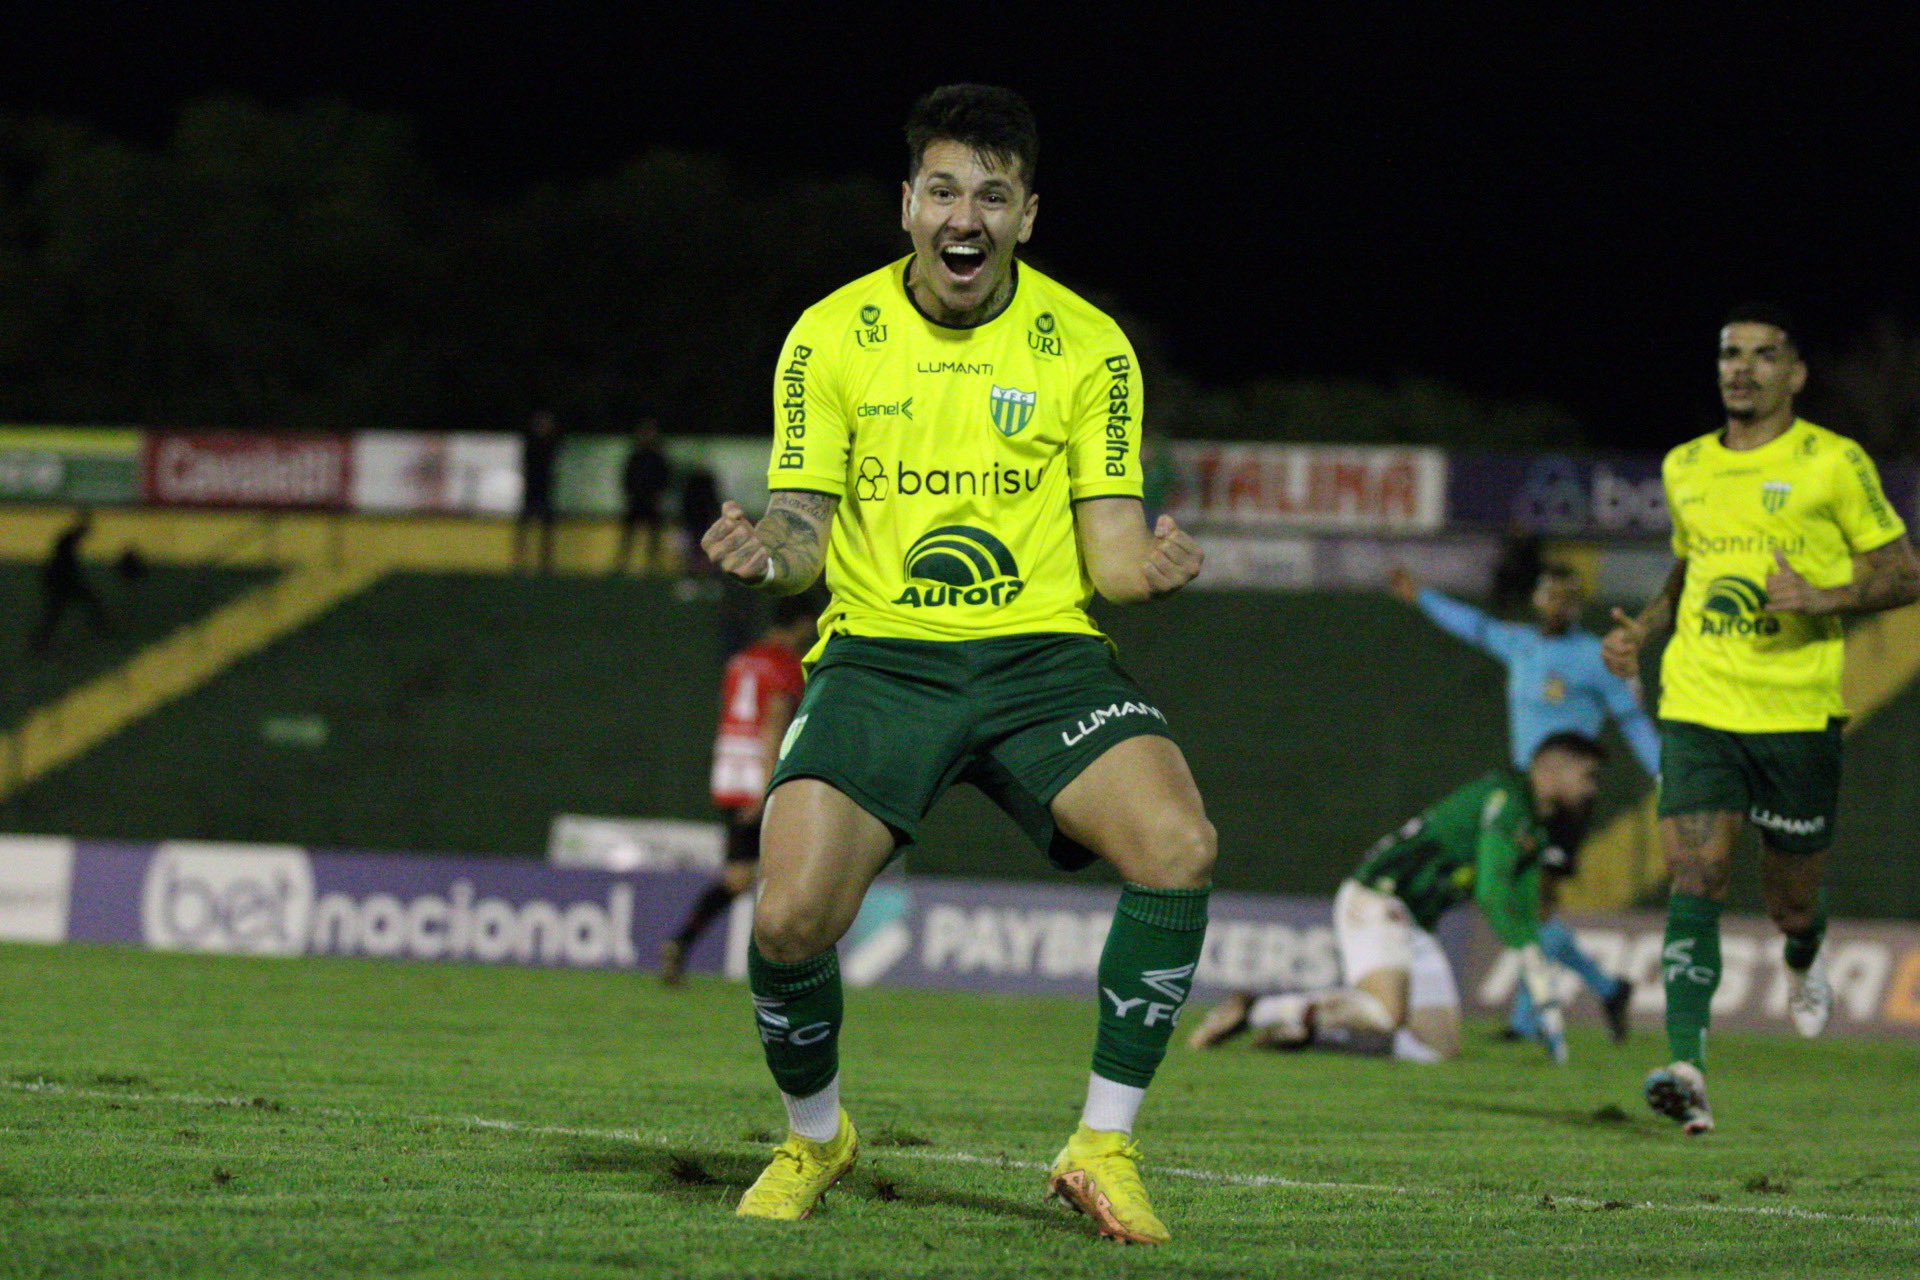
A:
(958, 564)
(1736, 607)
(1012, 409)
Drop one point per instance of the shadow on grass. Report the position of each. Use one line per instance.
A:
(696, 1176)
(1607, 1119)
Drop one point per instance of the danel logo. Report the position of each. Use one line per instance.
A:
(959, 564)
(1012, 409)
(1735, 607)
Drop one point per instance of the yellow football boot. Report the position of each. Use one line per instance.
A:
(791, 1186)
(1099, 1174)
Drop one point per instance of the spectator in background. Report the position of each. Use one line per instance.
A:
(644, 480)
(63, 584)
(757, 696)
(1556, 683)
(699, 510)
(1517, 571)
(540, 452)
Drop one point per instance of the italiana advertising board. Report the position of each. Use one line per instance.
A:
(965, 935)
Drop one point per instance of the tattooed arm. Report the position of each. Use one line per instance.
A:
(784, 552)
(1886, 577)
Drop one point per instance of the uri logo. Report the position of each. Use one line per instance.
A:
(1041, 337)
(1736, 607)
(958, 564)
(871, 332)
(1013, 409)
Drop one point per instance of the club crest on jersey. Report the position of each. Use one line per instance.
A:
(959, 564)
(1773, 494)
(1012, 409)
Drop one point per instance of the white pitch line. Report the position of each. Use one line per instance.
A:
(642, 1138)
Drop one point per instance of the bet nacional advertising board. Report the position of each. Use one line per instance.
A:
(951, 934)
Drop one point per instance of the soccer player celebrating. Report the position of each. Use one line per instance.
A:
(1482, 842)
(758, 693)
(1557, 682)
(1780, 528)
(957, 441)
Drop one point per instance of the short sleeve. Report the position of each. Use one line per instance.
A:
(1866, 518)
(1103, 440)
(810, 438)
(1679, 540)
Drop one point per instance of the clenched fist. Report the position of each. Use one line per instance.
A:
(1621, 648)
(1174, 559)
(735, 547)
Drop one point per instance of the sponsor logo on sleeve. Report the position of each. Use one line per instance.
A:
(1119, 413)
(793, 409)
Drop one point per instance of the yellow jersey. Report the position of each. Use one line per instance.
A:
(957, 455)
(1811, 494)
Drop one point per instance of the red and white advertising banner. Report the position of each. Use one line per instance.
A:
(1309, 487)
(246, 469)
(470, 474)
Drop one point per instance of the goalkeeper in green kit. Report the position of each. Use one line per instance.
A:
(1486, 842)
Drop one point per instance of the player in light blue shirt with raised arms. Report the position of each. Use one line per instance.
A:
(1556, 683)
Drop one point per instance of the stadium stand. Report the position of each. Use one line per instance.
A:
(458, 707)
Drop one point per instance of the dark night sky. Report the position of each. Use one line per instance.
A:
(1526, 207)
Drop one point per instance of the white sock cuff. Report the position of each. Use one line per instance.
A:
(1411, 1048)
(815, 1117)
(1111, 1106)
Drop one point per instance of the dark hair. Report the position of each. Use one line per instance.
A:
(1765, 313)
(1560, 571)
(788, 610)
(995, 123)
(1574, 744)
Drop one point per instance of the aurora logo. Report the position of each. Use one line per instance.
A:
(959, 564)
(1734, 607)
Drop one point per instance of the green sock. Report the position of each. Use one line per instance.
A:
(1804, 945)
(1690, 964)
(1146, 970)
(798, 1009)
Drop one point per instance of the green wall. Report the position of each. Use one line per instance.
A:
(461, 712)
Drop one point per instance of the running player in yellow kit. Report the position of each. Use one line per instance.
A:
(1780, 527)
(957, 441)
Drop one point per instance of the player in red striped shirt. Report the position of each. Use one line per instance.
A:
(757, 697)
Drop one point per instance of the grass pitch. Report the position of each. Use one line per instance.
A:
(187, 1116)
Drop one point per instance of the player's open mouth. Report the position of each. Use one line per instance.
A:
(963, 261)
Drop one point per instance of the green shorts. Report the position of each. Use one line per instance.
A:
(894, 723)
(1787, 784)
